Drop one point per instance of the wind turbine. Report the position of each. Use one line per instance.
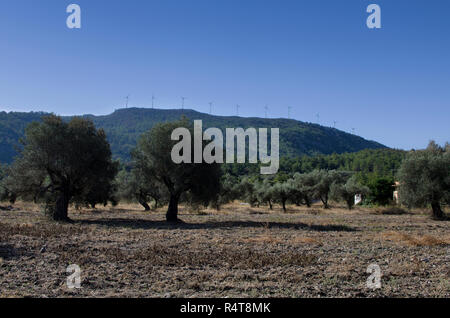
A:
(153, 101)
(318, 118)
(127, 98)
(182, 102)
(237, 109)
(266, 108)
(334, 124)
(210, 107)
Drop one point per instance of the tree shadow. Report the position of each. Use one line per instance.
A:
(7, 251)
(445, 217)
(392, 211)
(146, 224)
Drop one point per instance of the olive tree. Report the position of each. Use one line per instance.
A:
(302, 188)
(61, 161)
(264, 192)
(2, 180)
(347, 191)
(153, 154)
(130, 189)
(381, 190)
(229, 191)
(101, 190)
(323, 180)
(248, 191)
(5, 193)
(135, 185)
(282, 192)
(424, 178)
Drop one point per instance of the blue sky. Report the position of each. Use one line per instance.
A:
(392, 84)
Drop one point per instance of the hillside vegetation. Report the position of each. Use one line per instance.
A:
(124, 126)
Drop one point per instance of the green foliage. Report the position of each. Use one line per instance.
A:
(229, 191)
(12, 129)
(2, 188)
(125, 126)
(382, 162)
(348, 190)
(425, 178)
(247, 190)
(200, 183)
(5, 194)
(264, 192)
(281, 192)
(323, 181)
(302, 188)
(100, 190)
(367, 165)
(381, 190)
(61, 162)
(139, 185)
(299, 189)
(305, 174)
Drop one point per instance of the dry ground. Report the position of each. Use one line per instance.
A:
(236, 252)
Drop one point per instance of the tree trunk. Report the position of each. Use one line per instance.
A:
(325, 202)
(12, 199)
(284, 205)
(61, 208)
(145, 205)
(307, 202)
(350, 203)
(172, 211)
(437, 212)
(270, 205)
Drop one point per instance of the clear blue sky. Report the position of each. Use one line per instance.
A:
(392, 85)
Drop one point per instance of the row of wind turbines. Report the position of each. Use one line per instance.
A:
(266, 109)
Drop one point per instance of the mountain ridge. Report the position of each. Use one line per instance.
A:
(124, 126)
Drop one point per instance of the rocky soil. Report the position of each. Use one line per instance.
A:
(236, 252)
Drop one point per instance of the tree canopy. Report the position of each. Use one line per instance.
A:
(425, 178)
(61, 161)
(347, 191)
(4, 191)
(201, 181)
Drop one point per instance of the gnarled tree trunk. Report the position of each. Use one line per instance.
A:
(307, 202)
(145, 205)
(172, 211)
(350, 201)
(142, 200)
(437, 212)
(61, 207)
(325, 202)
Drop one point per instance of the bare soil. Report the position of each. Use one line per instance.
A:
(236, 252)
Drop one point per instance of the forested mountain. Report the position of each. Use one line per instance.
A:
(382, 162)
(124, 126)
